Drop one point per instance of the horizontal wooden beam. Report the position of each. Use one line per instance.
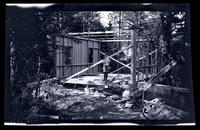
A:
(71, 65)
(88, 39)
(99, 36)
(124, 40)
(106, 38)
(79, 38)
(116, 41)
(98, 40)
(90, 33)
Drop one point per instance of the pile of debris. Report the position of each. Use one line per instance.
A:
(157, 109)
(102, 103)
(87, 103)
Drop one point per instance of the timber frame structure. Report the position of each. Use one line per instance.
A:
(82, 52)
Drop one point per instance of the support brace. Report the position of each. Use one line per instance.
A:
(120, 68)
(116, 61)
(97, 63)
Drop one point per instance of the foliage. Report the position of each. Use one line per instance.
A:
(29, 33)
(166, 32)
(173, 30)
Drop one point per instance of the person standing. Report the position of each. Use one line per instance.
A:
(106, 68)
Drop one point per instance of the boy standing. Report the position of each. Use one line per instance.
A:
(106, 68)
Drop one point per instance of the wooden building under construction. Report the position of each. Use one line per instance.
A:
(77, 51)
(74, 54)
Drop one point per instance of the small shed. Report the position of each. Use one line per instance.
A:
(74, 54)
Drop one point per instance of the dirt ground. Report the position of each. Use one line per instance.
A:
(79, 102)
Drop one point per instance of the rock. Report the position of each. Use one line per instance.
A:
(96, 94)
(128, 104)
(86, 90)
(155, 109)
(113, 97)
(120, 107)
(91, 90)
(126, 94)
(88, 108)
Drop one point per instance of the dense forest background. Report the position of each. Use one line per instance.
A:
(29, 32)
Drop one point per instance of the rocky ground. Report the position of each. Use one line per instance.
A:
(70, 102)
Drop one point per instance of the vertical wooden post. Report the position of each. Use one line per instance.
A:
(133, 60)
(156, 61)
(151, 64)
(37, 92)
(63, 58)
(147, 57)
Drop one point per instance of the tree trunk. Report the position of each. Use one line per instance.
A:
(167, 38)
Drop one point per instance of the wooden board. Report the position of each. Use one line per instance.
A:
(94, 80)
(97, 80)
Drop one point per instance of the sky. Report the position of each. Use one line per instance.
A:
(104, 17)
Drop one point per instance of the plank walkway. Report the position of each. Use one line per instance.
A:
(98, 80)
